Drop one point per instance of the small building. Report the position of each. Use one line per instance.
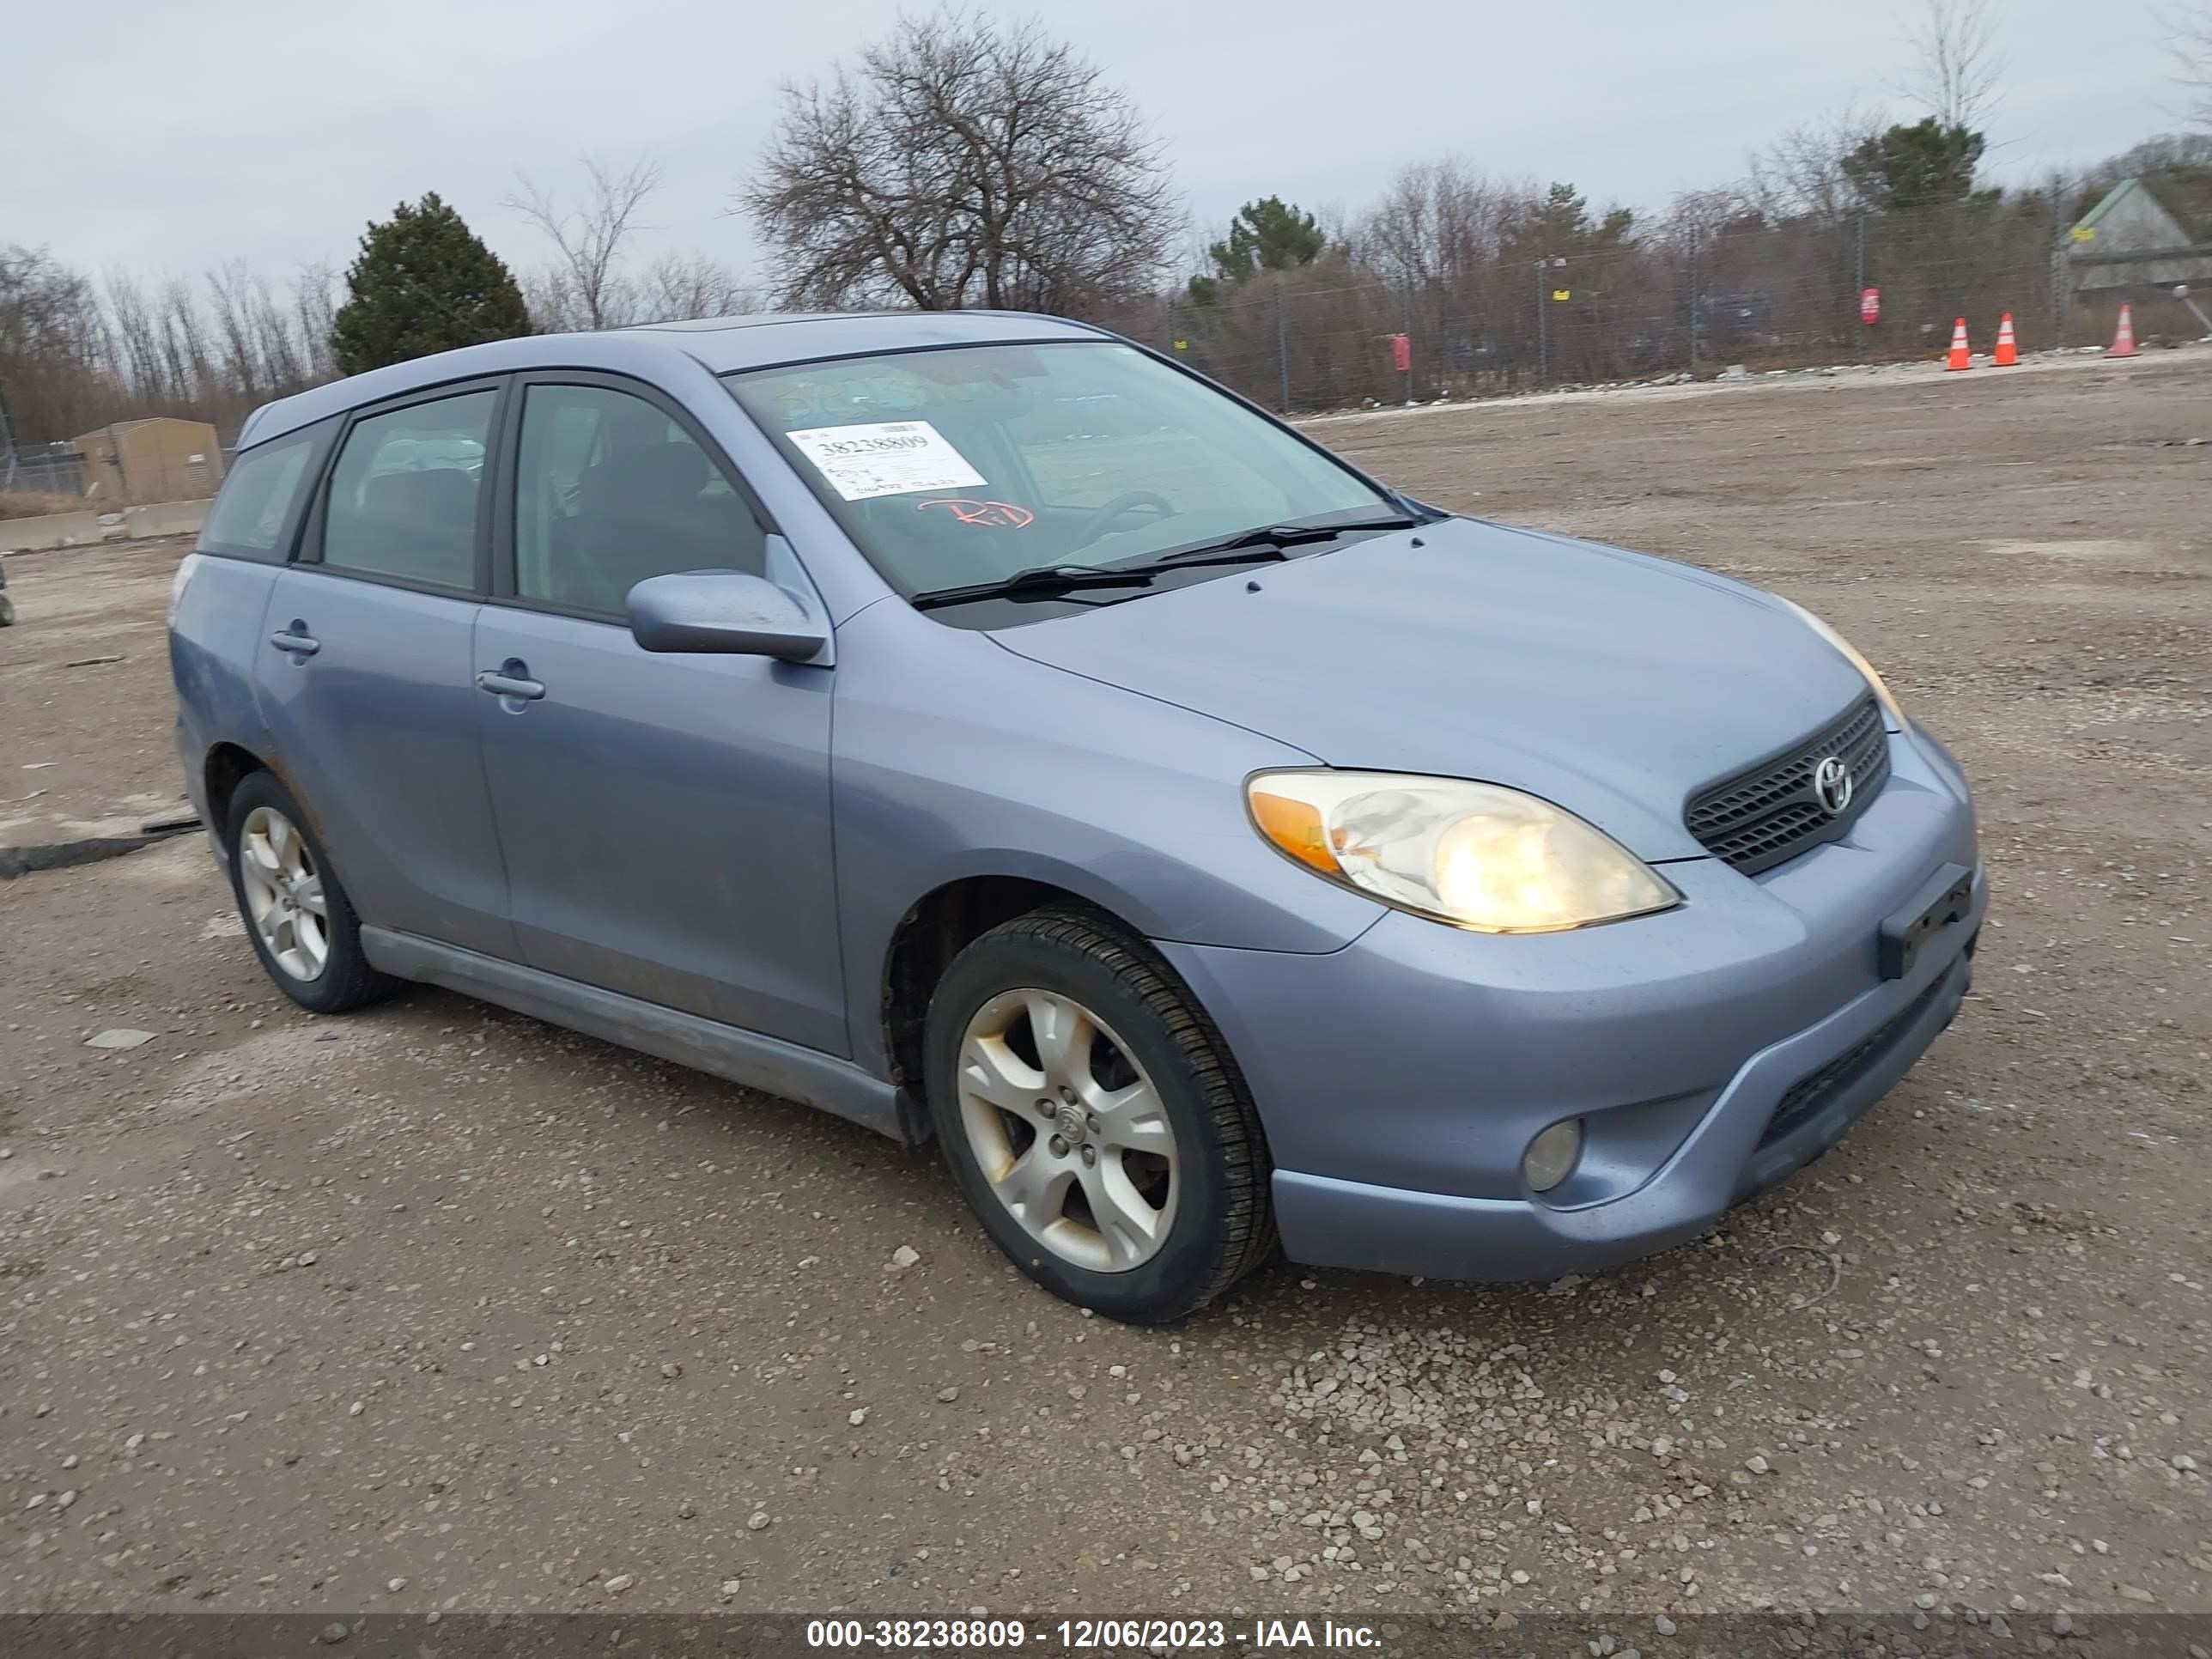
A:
(131, 463)
(2135, 240)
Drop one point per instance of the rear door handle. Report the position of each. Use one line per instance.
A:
(298, 643)
(506, 682)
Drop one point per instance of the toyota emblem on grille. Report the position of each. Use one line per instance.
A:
(1832, 784)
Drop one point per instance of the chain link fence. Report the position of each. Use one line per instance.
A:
(1333, 337)
(42, 469)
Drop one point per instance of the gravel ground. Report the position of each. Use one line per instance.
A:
(438, 1307)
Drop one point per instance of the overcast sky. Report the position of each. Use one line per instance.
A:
(167, 138)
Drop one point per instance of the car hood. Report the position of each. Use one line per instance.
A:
(1608, 683)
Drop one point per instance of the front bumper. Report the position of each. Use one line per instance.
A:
(1709, 1051)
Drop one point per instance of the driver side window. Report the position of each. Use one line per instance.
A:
(608, 491)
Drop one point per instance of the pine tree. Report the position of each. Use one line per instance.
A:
(1559, 224)
(1927, 164)
(1265, 236)
(425, 283)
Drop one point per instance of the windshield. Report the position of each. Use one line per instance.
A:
(956, 467)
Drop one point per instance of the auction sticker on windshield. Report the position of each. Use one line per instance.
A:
(887, 457)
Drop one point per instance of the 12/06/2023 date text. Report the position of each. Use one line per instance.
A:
(1079, 1635)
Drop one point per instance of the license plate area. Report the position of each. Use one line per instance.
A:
(1947, 897)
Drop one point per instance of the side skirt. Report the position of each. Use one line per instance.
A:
(765, 1063)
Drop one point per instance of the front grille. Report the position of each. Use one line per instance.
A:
(1769, 812)
(1809, 1094)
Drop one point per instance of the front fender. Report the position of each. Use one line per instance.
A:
(1008, 767)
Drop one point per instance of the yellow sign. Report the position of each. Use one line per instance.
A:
(1563, 294)
(2085, 233)
(1183, 345)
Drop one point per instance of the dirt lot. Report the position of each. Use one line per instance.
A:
(436, 1307)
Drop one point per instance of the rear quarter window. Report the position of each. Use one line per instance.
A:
(259, 509)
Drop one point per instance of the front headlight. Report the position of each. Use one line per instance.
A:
(1891, 711)
(1474, 854)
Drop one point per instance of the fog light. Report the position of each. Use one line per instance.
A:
(1551, 1156)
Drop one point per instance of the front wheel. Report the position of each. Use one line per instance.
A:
(1094, 1120)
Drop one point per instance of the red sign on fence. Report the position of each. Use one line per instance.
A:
(1402, 352)
(1869, 306)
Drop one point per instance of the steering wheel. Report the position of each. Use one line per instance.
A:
(1102, 519)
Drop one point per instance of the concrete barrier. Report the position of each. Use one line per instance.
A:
(86, 529)
(166, 519)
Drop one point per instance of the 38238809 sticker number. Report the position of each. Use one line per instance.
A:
(884, 458)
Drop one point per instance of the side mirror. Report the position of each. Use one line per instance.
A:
(724, 612)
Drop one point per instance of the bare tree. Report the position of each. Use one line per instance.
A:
(1697, 218)
(1437, 221)
(50, 344)
(134, 335)
(284, 358)
(313, 309)
(551, 299)
(43, 304)
(586, 287)
(75, 354)
(264, 349)
(183, 342)
(1801, 175)
(963, 162)
(678, 285)
(1334, 221)
(2190, 32)
(1955, 61)
(230, 290)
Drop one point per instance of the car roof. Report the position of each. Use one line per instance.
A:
(720, 345)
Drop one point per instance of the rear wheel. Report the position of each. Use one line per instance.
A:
(1092, 1117)
(302, 925)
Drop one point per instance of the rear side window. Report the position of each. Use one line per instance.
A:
(253, 517)
(403, 496)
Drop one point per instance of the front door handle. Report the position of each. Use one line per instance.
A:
(511, 679)
(297, 643)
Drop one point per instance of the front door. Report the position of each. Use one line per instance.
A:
(666, 819)
(366, 674)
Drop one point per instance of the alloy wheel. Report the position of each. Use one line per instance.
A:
(283, 893)
(1068, 1130)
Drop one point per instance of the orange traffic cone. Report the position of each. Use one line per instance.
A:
(1959, 357)
(2007, 352)
(2124, 339)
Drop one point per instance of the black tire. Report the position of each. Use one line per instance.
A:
(1223, 1221)
(346, 980)
(7, 610)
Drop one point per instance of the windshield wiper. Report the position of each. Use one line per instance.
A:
(1268, 541)
(1039, 581)
(1244, 547)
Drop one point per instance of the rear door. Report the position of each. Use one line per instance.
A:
(219, 598)
(665, 819)
(365, 668)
